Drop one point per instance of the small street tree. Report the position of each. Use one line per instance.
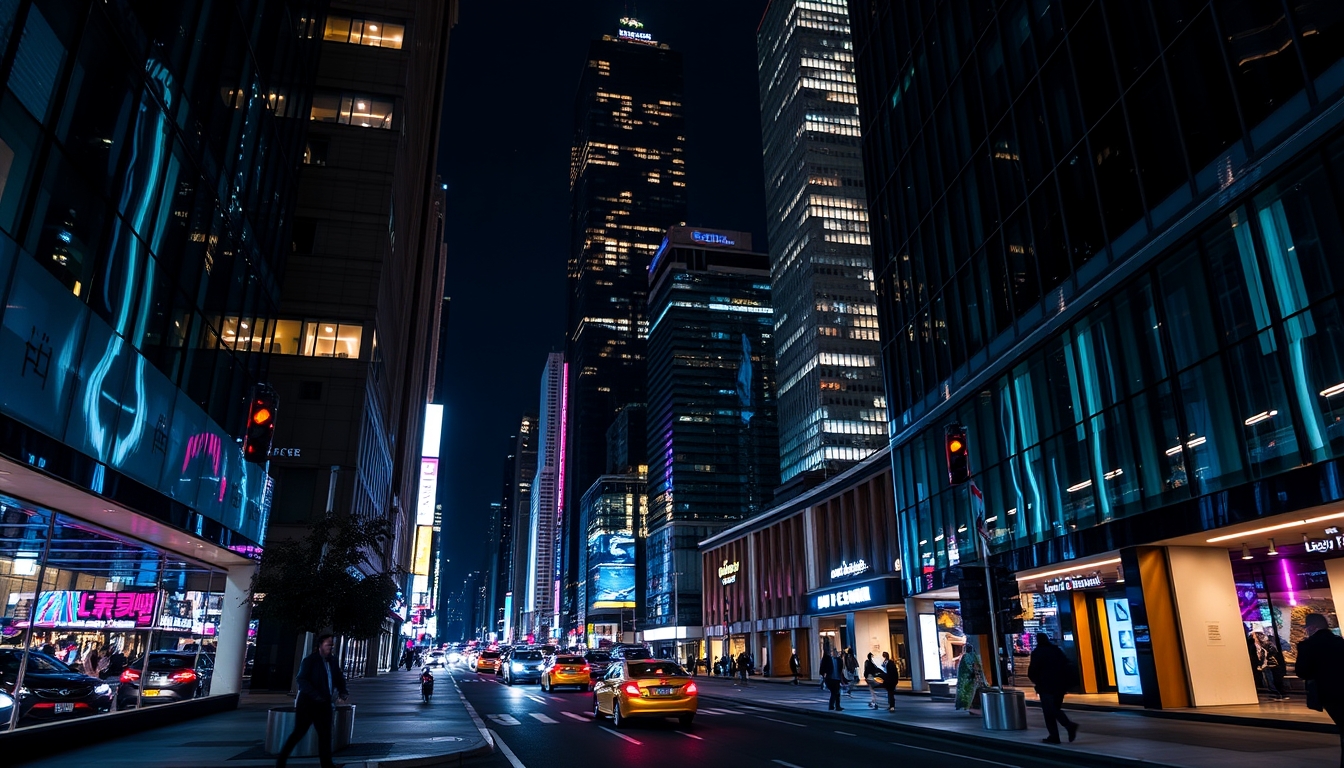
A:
(314, 583)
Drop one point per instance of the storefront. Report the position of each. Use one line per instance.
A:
(865, 616)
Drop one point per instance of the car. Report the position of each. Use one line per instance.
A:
(645, 688)
(523, 665)
(436, 658)
(598, 661)
(630, 651)
(454, 657)
(566, 669)
(173, 676)
(486, 661)
(51, 690)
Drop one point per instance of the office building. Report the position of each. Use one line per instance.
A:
(353, 349)
(146, 191)
(1108, 240)
(628, 178)
(542, 586)
(612, 514)
(832, 406)
(712, 436)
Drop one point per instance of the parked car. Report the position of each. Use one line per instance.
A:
(51, 690)
(524, 665)
(173, 676)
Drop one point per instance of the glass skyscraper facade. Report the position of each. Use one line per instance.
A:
(832, 407)
(712, 431)
(628, 177)
(1109, 243)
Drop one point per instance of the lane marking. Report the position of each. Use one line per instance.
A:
(575, 716)
(537, 699)
(690, 735)
(508, 753)
(962, 757)
(846, 733)
(543, 718)
(786, 765)
(475, 718)
(753, 709)
(786, 722)
(620, 735)
(504, 719)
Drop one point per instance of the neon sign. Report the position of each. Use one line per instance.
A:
(712, 238)
(641, 37)
(95, 609)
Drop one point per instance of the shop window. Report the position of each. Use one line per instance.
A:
(370, 32)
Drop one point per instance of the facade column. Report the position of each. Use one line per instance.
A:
(915, 641)
(231, 645)
(1334, 569)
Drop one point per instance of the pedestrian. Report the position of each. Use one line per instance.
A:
(406, 658)
(851, 665)
(872, 674)
(116, 664)
(320, 683)
(1270, 661)
(1053, 675)
(695, 665)
(743, 666)
(89, 660)
(830, 672)
(889, 677)
(48, 649)
(1320, 662)
(793, 664)
(970, 679)
(1280, 669)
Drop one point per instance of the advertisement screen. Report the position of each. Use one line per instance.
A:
(95, 609)
(424, 538)
(1122, 646)
(611, 570)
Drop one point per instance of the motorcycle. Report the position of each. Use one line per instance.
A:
(426, 686)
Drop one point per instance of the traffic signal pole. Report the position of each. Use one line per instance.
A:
(993, 612)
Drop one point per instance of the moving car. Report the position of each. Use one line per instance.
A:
(523, 665)
(566, 669)
(598, 661)
(645, 688)
(51, 690)
(630, 651)
(486, 661)
(436, 658)
(173, 676)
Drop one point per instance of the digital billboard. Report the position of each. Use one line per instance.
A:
(611, 570)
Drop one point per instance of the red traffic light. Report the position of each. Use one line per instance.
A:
(261, 415)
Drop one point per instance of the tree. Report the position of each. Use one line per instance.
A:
(315, 583)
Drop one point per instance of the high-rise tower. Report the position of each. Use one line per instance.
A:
(628, 177)
(548, 486)
(832, 408)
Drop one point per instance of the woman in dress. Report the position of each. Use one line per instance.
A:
(970, 678)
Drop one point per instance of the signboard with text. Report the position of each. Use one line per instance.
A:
(95, 609)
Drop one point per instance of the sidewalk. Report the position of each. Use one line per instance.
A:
(393, 727)
(1120, 734)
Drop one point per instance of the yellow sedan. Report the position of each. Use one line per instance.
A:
(645, 688)
(565, 670)
(488, 661)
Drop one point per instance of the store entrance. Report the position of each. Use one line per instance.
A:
(1094, 629)
(834, 634)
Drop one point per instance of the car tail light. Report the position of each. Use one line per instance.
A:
(130, 675)
(182, 676)
(631, 689)
(689, 689)
(587, 669)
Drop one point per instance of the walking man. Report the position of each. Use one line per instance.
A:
(889, 676)
(320, 684)
(1052, 673)
(1320, 661)
(831, 671)
(793, 664)
(743, 666)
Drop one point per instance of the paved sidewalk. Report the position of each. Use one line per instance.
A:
(1116, 733)
(393, 728)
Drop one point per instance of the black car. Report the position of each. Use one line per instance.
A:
(173, 676)
(524, 665)
(51, 690)
(630, 652)
(598, 661)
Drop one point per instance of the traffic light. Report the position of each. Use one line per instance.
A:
(958, 454)
(260, 425)
(974, 598)
(1009, 602)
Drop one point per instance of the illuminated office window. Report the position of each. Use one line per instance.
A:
(371, 32)
(353, 109)
(317, 339)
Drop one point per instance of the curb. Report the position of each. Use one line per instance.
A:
(1210, 718)
(988, 742)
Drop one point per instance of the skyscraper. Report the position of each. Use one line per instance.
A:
(1108, 239)
(519, 469)
(543, 528)
(628, 177)
(832, 407)
(713, 440)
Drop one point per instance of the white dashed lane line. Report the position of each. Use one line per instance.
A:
(543, 718)
(620, 735)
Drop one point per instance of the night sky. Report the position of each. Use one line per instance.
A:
(513, 70)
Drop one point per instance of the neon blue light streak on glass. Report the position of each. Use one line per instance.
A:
(1090, 384)
(1022, 394)
(1287, 277)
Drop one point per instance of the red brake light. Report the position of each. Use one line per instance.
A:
(182, 676)
(690, 688)
(587, 669)
(631, 689)
(130, 675)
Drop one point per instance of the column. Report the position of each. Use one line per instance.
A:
(1334, 569)
(231, 645)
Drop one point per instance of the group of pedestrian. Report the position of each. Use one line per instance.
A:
(101, 661)
(1267, 658)
(840, 672)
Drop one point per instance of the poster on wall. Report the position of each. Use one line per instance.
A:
(1121, 627)
(951, 638)
(611, 570)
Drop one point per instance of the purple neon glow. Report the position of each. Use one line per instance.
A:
(564, 427)
(1288, 583)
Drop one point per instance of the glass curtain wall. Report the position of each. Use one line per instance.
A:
(89, 616)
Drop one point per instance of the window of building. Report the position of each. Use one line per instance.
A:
(317, 338)
(371, 32)
(353, 109)
(315, 151)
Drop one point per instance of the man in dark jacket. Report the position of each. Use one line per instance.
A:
(1320, 662)
(793, 664)
(1052, 673)
(321, 683)
(830, 672)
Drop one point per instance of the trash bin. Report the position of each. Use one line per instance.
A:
(279, 725)
(344, 730)
(1004, 710)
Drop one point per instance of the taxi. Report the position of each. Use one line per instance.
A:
(565, 669)
(488, 661)
(645, 688)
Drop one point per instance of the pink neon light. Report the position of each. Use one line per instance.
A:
(564, 427)
(1288, 582)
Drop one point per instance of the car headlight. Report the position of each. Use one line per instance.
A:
(103, 689)
(23, 691)
(6, 700)
(517, 666)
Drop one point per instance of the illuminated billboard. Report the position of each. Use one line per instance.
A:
(611, 570)
(429, 489)
(424, 536)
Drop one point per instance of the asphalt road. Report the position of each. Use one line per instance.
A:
(556, 730)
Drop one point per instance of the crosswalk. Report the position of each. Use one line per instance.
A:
(545, 719)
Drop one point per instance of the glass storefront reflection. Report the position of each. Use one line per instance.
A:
(96, 622)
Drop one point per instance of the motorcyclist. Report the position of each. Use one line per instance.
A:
(426, 684)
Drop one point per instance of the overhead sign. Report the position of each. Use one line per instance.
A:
(869, 594)
(1324, 546)
(96, 609)
(728, 572)
(1072, 583)
(845, 569)
(638, 37)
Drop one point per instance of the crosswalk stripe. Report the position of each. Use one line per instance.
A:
(690, 735)
(504, 719)
(575, 716)
(537, 699)
(543, 718)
